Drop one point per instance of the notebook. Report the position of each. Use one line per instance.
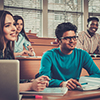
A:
(9, 80)
(89, 83)
(95, 55)
(60, 91)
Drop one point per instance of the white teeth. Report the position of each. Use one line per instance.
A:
(13, 34)
(93, 29)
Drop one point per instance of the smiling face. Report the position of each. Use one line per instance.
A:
(67, 46)
(9, 28)
(93, 26)
(19, 26)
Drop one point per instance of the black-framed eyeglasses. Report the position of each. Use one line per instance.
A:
(68, 38)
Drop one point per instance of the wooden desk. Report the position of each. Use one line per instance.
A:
(42, 40)
(29, 67)
(41, 44)
(73, 95)
(41, 48)
(31, 35)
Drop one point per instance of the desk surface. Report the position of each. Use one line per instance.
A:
(71, 95)
(96, 58)
(30, 66)
(29, 58)
(39, 57)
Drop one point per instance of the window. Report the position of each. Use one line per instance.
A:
(94, 10)
(68, 10)
(58, 11)
(30, 10)
(94, 6)
(59, 1)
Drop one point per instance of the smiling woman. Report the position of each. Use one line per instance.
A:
(7, 38)
(7, 35)
(22, 40)
(9, 28)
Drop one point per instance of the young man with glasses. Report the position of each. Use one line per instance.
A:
(64, 64)
(89, 40)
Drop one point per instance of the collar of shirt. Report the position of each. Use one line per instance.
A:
(89, 35)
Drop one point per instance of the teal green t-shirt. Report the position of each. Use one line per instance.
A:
(60, 67)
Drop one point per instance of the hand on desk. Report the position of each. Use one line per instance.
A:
(21, 53)
(26, 52)
(40, 83)
(71, 84)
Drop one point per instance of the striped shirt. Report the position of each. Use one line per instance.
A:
(88, 43)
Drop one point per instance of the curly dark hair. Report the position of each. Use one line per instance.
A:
(63, 27)
(92, 18)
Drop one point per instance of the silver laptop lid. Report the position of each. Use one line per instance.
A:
(9, 80)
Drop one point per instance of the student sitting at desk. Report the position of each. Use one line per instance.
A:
(64, 64)
(22, 39)
(7, 38)
(89, 40)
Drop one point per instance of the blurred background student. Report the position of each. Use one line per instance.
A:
(7, 38)
(89, 40)
(22, 39)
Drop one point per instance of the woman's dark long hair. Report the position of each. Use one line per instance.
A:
(16, 18)
(10, 44)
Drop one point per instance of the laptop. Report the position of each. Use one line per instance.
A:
(9, 80)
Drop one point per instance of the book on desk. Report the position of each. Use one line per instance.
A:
(59, 91)
(90, 83)
(95, 55)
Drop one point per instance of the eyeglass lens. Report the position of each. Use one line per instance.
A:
(69, 38)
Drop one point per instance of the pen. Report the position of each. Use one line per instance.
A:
(84, 83)
(38, 97)
(27, 44)
(33, 96)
